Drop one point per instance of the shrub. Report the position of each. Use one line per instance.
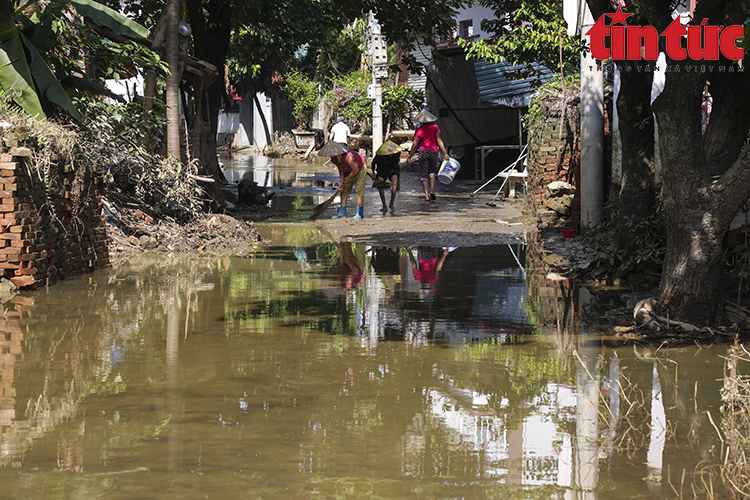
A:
(349, 98)
(303, 93)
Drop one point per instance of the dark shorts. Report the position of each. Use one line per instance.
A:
(387, 167)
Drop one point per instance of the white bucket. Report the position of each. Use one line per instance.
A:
(448, 170)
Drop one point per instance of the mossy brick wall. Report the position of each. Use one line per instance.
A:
(543, 164)
(48, 235)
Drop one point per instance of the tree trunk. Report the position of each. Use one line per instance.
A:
(637, 197)
(262, 114)
(173, 80)
(211, 42)
(706, 180)
(637, 189)
(157, 40)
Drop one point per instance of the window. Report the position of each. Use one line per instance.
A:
(466, 28)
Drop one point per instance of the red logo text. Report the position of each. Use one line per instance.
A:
(642, 42)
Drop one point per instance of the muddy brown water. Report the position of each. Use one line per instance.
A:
(321, 368)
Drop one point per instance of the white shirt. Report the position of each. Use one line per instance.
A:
(341, 132)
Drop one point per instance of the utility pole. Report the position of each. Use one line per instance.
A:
(592, 133)
(379, 55)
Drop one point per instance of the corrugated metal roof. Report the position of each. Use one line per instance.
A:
(496, 87)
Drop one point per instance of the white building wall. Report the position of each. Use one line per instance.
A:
(476, 14)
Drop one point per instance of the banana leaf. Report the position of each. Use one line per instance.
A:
(101, 14)
(48, 85)
(41, 27)
(78, 83)
(15, 75)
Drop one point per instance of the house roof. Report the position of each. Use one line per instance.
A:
(498, 87)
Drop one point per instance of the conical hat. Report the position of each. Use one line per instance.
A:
(333, 148)
(425, 116)
(388, 148)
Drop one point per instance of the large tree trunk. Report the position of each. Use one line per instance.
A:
(637, 189)
(706, 180)
(637, 199)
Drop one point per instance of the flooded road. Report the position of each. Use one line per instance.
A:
(326, 369)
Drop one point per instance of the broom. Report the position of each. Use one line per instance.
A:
(319, 209)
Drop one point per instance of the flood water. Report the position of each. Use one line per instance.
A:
(323, 370)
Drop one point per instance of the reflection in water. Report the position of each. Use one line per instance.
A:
(320, 369)
(294, 186)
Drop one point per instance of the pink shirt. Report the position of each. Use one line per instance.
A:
(427, 136)
(344, 166)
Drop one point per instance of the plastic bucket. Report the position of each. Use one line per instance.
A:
(448, 170)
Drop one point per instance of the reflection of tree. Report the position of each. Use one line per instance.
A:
(517, 374)
(75, 349)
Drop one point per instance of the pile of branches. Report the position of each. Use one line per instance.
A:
(150, 202)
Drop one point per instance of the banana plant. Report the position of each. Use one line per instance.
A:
(25, 75)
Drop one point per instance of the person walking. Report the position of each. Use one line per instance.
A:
(352, 174)
(386, 167)
(429, 143)
(340, 132)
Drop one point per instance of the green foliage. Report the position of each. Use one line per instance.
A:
(349, 98)
(105, 16)
(341, 54)
(398, 100)
(554, 89)
(303, 93)
(525, 32)
(42, 48)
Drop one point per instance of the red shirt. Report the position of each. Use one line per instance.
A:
(344, 165)
(427, 136)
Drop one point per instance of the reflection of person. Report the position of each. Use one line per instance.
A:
(352, 174)
(387, 168)
(386, 260)
(427, 266)
(349, 272)
(427, 139)
(340, 132)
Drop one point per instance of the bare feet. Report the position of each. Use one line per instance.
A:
(392, 207)
(384, 209)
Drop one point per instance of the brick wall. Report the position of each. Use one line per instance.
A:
(543, 165)
(48, 234)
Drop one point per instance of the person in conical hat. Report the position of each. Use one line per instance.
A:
(425, 116)
(386, 167)
(428, 143)
(352, 174)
